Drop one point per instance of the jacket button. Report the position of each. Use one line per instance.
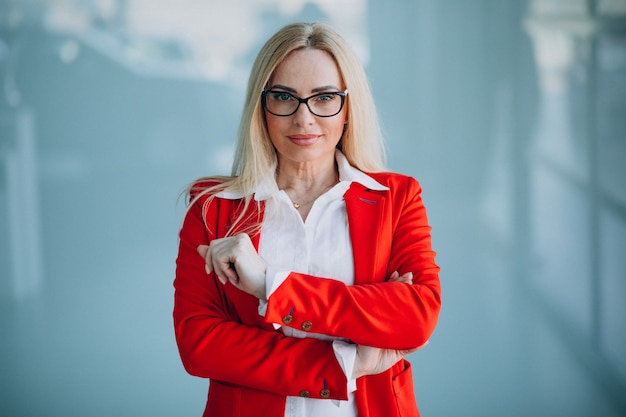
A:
(288, 319)
(325, 393)
(306, 326)
(305, 394)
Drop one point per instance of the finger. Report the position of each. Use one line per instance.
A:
(213, 265)
(202, 250)
(222, 279)
(223, 267)
(220, 276)
(406, 278)
(208, 258)
(219, 272)
(231, 273)
(393, 277)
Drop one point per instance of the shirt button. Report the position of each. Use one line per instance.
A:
(325, 393)
(288, 319)
(306, 326)
(305, 394)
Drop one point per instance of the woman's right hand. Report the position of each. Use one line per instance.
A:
(235, 259)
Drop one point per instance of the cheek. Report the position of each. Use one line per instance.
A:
(339, 127)
(273, 126)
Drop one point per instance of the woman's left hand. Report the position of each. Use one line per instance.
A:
(235, 259)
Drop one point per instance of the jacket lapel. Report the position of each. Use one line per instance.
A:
(365, 209)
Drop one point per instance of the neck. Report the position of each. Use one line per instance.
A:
(307, 177)
(305, 182)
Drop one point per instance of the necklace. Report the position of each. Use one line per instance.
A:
(297, 205)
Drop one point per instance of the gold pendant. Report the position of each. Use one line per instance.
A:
(296, 205)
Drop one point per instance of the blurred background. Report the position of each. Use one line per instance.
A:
(511, 113)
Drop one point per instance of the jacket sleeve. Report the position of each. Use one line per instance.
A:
(215, 343)
(380, 314)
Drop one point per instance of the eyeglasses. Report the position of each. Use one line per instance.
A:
(282, 103)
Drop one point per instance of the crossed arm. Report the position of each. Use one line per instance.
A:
(215, 342)
(235, 260)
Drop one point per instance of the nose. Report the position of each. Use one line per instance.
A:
(303, 115)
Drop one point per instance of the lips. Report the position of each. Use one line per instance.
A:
(303, 140)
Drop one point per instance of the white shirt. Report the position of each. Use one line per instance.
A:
(319, 246)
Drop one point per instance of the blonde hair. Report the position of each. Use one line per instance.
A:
(255, 157)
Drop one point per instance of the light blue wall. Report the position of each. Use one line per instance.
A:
(510, 113)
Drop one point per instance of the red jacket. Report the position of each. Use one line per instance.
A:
(253, 367)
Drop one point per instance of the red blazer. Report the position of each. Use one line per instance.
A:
(252, 367)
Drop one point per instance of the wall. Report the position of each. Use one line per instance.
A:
(509, 113)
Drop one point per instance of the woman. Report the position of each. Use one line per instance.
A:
(304, 278)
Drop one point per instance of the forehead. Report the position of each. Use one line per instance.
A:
(306, 69)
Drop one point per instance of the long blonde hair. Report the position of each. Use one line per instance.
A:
(255, 157)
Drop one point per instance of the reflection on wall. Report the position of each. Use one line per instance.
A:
(512, 113)
(101, 92)
(577, 170)
(108, 109)
(19, 206)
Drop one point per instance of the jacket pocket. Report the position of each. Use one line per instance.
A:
(404, 392)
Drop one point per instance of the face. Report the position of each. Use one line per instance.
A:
(304, 137)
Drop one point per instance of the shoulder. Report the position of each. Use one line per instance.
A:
(396, 182)
(207, 187)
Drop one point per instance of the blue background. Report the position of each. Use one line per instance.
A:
(510, 113)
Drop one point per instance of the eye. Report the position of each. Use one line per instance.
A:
(281, 96)
(325, 97)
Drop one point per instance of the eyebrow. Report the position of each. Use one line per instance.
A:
(315, 90)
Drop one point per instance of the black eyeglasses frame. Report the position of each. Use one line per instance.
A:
(341, 94)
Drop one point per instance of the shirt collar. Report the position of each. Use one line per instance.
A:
(347, 174)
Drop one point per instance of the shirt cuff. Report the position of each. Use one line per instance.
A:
(273, 279)
(346, 356)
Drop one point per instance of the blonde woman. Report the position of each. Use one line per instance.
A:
(304, 279)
